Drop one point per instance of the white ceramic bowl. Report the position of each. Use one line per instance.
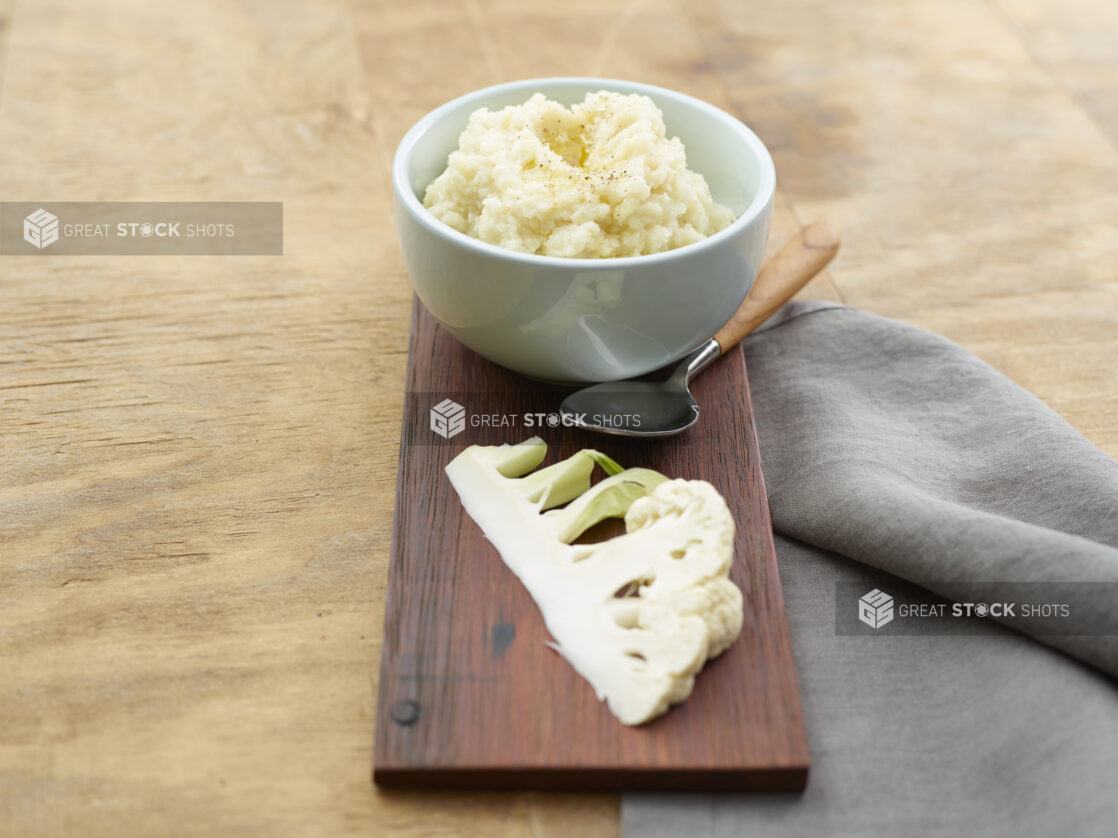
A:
(584, 320)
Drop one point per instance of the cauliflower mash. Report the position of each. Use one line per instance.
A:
(598, 180)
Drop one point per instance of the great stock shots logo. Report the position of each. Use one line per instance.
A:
(141, 228)
(502, 417)
(448, 418)
(875, 609)
(1050, 608)
(40, 228)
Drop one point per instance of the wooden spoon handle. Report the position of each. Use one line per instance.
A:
(779, 280)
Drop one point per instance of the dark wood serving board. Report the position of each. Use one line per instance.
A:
(471, 697)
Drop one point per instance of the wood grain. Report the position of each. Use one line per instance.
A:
(470, 695)
(975, 192)
(1073, 43)
(247, 411)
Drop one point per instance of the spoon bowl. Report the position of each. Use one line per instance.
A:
(642, 408)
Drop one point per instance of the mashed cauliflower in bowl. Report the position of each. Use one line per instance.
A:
(630, 298)
(600, 179)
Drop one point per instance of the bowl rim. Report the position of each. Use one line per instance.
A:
(766, 189)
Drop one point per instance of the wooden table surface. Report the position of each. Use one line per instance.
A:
(198, 456)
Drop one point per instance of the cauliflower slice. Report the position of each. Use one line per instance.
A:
(637, 615)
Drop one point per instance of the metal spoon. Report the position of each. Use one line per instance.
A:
(663, 408)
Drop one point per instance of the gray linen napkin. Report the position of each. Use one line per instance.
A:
(890, 452)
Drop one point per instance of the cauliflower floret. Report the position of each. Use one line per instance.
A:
(638, 615)
(719, 603)
(704, 550)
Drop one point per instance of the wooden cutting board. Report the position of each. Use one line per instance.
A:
(471, 697)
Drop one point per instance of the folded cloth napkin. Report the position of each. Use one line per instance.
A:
(894, 459)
